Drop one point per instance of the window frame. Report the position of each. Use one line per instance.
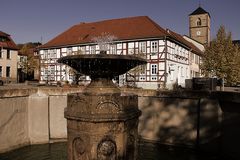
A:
(1, 71)
(113, 49)
(92, 49)
(154, 69)
(1, 51)
(199, 22)
(8, 71)
(8, 54)
(154, 46)
(142, 47)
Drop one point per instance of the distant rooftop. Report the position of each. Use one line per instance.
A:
(7, 42)
(236, 42)
(198, 11)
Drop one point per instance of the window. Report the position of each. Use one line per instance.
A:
(53, 53)
(3, 39)
(92, 49)
(1, 50)
(182, 74)
(142, 47)
(154, 69)
(0, 71)
(69, 50)
(52, 70)
(142, 78)
(83, 50)
(196, 59)
(8, 71)
(45, 54)
(113, 49)
(154, 72)
(199, 22)
(154, 47)
(46, 71)
(8, 54)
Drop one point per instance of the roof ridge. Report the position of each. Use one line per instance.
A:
(157, 26)
(1, 32)
(107, 20)
(123, 28)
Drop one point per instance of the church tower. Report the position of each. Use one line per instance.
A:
(199, 26)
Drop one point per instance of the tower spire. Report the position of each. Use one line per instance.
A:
(199, 3)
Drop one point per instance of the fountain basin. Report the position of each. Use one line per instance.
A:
(102, 65)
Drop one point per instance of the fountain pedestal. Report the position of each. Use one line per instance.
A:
(102, 123)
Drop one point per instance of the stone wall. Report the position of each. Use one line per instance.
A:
(32, 116)
(36, 115)
(189, 121)
(13, 123)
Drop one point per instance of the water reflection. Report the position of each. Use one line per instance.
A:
(147, 151)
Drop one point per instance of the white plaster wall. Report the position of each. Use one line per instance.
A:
(174, 74)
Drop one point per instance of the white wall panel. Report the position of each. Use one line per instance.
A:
(131, 45)
(161, 42)
(64, 49)
(161, 49)
(119, 46)
(74, 49)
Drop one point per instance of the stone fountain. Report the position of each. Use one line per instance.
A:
(102, 122)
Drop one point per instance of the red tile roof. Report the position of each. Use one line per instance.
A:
(9, 43)
(123, 29)
(130, 28)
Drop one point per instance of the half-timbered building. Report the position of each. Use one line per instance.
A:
(167, 52)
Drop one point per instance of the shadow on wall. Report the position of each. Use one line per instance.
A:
(230, 134)
(179, 121)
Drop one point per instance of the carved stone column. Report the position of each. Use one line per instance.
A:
(102, 124)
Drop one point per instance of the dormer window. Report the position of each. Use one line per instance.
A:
(3, 39)
(199, 22)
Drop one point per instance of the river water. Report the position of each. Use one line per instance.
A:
(147, 151)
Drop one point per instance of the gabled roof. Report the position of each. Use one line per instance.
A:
(8, 42)
(4, 34)
(130, 28)
(198, 11)
(190, 45)
(123, 29)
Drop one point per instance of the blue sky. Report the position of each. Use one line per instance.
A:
(33, 20)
